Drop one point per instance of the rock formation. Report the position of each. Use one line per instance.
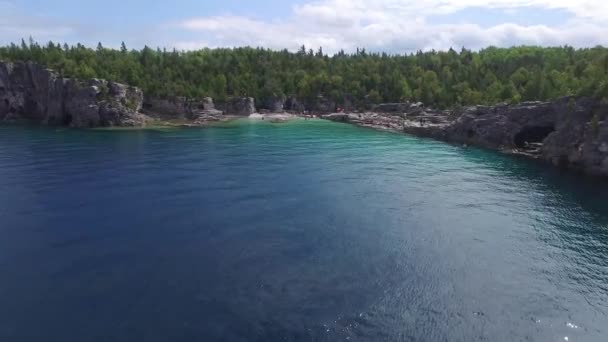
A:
(292, 104)
(323, 104)
(29, 91)
(275, 104)
(181, 108)
(241, 106)
(567, 132)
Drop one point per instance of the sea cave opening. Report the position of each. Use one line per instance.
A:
(67, 120)
(530, 136)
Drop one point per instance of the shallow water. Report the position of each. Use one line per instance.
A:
(305, 231)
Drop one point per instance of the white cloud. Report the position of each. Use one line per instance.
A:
(400, 26)
(379, 25)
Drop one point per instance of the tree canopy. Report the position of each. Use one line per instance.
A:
(441, 79)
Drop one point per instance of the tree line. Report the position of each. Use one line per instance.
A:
(437, 78)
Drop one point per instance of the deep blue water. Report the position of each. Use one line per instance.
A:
(306, 231)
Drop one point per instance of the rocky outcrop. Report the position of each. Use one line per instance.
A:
(180, 108)
(567, 132)
(175, 108)
(274, 104)
(292, 104)
(397, 108)
(580, 139)
(323, 104)
(504, 126)
(31, 92)
(241, 106)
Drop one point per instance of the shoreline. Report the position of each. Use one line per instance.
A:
(382, 122)
(565, 133)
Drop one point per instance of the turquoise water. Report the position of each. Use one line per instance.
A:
(305, 231)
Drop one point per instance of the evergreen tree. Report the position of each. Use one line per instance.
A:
(439, 79)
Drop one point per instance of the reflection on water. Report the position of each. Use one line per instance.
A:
(301, 231)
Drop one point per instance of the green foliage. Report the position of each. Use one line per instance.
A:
(374, 96)
(131, 104)
(439, 79)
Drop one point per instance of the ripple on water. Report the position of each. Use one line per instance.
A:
(305, 231)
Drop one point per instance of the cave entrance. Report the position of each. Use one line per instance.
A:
(532, 137)
(67, 120)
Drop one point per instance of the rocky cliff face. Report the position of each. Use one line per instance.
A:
(30, 92)
(567, 132)
(180, 108)
(580, 139)
(293, 104)
(275, 104)
(241, 106)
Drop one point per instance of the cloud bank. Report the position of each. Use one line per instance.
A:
(402, 26)
(395, 26)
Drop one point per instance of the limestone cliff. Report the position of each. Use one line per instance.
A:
(241, 106)
(29, 91)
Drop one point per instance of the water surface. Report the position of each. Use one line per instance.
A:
(306, 231)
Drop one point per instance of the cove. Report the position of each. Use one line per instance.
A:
(307, 230)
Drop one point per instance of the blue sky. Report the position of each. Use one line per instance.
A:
(387, 25)
(119, 11)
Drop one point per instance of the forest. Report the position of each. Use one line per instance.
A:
(442, 79)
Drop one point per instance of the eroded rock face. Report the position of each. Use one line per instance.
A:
(292, 104)
(207, 104)
(580, 140)
(180, 108)
(498, 126)
(30, 92)
(323, 104)
(567, 132)
(275, 104)
(243, 106)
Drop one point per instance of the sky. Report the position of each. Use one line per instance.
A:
(393, 26)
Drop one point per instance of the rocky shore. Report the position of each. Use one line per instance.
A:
(30, 92)
(569, 132)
